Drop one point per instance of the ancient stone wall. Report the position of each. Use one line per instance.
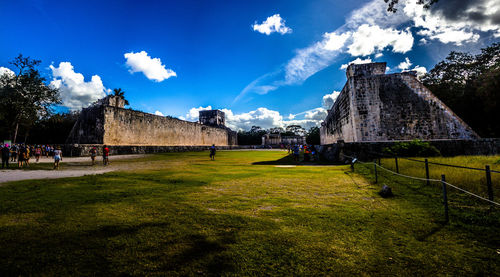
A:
(111, 125)
(377, 107)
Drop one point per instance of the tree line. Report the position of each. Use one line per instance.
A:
(255, 134)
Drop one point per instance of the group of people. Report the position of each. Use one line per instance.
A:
(21, 153)
(309, 152)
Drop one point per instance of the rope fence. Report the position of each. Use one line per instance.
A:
(429, 180)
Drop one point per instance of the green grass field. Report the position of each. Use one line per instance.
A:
(182, 214)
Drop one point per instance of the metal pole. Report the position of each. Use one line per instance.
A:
(427, 171)
(445, 199)
(375, 167)
(488, 183)
(397, 166)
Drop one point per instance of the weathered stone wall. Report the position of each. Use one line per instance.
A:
(367, 151)
(127, 127)
(377, 107)
(110, 125)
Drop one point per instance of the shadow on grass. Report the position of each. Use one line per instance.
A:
(288, 160)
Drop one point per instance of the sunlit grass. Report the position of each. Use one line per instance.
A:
(182, 214)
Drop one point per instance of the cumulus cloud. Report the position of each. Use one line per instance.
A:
(356, 61)
(5, 70)
(456, 21)
(404, 65)
(159, 113)
(74, 91)
(152, 68)
(329, 99)
(273, 24)
(194, 113)
(420, 71)
(371, 30)
(367, 39)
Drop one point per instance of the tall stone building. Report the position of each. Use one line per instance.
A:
(374, 106)
(108, 122)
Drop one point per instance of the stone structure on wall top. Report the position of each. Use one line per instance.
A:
(107, 122)
(374, 106)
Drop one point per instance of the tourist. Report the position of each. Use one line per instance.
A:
(27, 156)
(38, 153)
(21, 155)
(212, 152)
(57, 157)
(5, 155)
(105, 155)
(306, 153)
(13, 153)
(296, 152)
(93, 154)
(313, 153)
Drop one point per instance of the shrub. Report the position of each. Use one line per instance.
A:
(412, 148)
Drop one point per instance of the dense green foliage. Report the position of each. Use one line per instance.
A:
(468, 84)
(414, 148)
(182, 214)
(24, 98)
(53, 129)
(313, 136)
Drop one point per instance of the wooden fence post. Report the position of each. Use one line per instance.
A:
(427, 171)
(488, 183)
(445, 199)
(397, 166)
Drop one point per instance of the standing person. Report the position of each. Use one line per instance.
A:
(38, 153)
(27, 156)
(296, 152)
(105, 155)
(93, 154)
(5, 155)
(21, 154)
(57, 157)
(212, 152)
(13, 153)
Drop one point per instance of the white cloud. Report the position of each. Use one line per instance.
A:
(5, 70)
(457, 22)
(367, 39)
(74, 91)
(420, 71)
(378, 55)
(273, 24)
(356, 61)
(335, 41)
(152, 68)
(329, 99)
(159, 113)
(194, 113)
(404, 65)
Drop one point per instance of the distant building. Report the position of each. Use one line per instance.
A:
(214, 118)
(278, 139)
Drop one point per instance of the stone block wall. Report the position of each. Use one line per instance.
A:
(377, 107)
(110, 125)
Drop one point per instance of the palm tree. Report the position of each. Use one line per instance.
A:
(120, 93)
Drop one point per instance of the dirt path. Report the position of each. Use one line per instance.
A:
(74, 171)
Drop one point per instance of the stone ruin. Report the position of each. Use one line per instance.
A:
(108, 122)
(374, 106)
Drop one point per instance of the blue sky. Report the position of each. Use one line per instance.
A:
(266, 63)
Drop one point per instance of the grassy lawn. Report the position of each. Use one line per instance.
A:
(182, 214)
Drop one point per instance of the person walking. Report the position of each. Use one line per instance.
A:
(38, 153)
(296, 153)
(13, 153)
(105, 155)
(93, 154)
(5, 155)
(212, 152)
(57, 157)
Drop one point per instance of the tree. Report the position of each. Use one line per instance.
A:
(24, 97)
(120, 93)
(468, 84)
(392, 4)
(296, 130)
(313, 136)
